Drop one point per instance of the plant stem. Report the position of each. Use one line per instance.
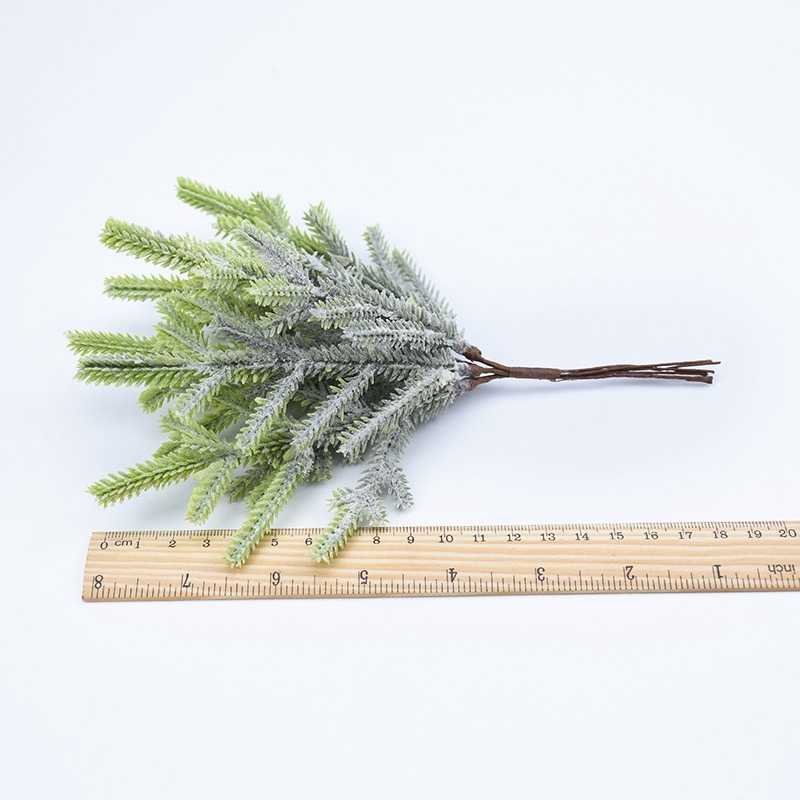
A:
(483, 370)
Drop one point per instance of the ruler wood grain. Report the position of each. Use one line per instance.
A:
(451, 560)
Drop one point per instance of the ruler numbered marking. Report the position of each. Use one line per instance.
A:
(450, 560)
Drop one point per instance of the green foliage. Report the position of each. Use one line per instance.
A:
(277, 351)
(144, 287)
(163, 469)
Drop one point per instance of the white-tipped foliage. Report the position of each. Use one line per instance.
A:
(278, 350)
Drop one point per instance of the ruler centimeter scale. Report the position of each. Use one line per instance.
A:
(450, 560)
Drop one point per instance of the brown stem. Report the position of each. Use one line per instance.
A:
(482, 370)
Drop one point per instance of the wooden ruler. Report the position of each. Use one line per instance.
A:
(451, 560)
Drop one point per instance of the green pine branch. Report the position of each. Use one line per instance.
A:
(158, 472)
(279, 352)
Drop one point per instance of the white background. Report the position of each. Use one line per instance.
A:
(586, 183)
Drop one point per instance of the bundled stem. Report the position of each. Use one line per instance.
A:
(482, 370)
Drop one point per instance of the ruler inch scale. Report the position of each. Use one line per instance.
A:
(424, 561)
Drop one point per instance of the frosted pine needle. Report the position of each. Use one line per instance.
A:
(279, 350)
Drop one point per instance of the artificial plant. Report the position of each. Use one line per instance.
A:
(279, 349)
